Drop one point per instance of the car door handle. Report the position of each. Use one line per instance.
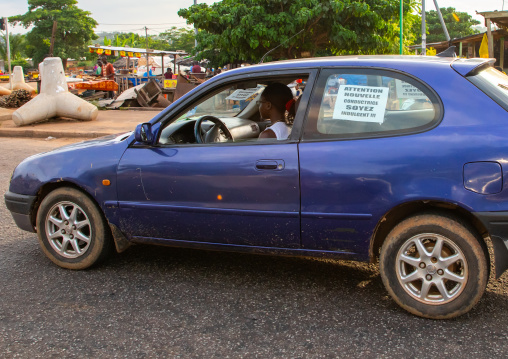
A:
(274, 165)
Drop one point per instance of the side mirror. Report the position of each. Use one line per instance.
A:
(143, 133)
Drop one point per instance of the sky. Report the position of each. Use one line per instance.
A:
(120, 15)
(159, 15)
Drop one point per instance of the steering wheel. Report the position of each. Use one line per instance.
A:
(213, 135)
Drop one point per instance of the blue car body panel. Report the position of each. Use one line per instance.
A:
(211, 194)
(347, 186)
(84, 165)
(330, 195)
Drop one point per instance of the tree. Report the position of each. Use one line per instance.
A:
(75, 28)
(135, 40)
(456, 29)
(17, 44)
(233, 31)
(116, 42)
(179, 38)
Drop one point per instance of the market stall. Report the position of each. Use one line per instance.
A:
(143, 55)
(126, 77)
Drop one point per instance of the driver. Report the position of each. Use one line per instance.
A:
(278, 105)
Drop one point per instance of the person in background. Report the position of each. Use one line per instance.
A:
(168, 75)
(276, 100)
(97, 69)
(196, 68)
(108, 69)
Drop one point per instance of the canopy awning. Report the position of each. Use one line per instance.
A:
(500, 18)
(138, 50)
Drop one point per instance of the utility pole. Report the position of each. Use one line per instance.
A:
(401, 25)
(195, 29)
(146, 39)
(424, 31)
(6, 25)
(442, 21)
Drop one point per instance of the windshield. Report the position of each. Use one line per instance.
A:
(229, 102)
(494, 83)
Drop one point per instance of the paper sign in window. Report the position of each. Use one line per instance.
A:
(405, 90)
(361, 103)
(240, 95)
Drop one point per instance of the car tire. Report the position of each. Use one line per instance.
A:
(434, 266)
(72, 230)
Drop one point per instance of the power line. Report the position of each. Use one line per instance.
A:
(166, 23)
(123, 31)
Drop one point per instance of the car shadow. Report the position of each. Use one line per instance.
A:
(338, 286)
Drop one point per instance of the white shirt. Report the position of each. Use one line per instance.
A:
(281, 130)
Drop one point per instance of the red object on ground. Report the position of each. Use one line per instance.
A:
(106, 85)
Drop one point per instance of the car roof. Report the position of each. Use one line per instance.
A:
(463, 66)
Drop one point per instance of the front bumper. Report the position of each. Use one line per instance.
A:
(497, 226)
(21, 207)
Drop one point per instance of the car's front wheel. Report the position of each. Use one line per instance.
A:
(71, 229)
(434, 266)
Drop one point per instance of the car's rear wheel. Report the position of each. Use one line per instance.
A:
(71, 229)
(434, 266)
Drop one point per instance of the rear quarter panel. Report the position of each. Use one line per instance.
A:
(347, 186)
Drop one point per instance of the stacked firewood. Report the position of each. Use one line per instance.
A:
(16, 99)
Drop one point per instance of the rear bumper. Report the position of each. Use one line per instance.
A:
(497, 226)
(21, 207)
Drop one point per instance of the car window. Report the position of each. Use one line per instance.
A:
(235, 109)
(358, 104)
(494, 83)
(227, 102)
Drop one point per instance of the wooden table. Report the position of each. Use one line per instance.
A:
(169, 93)
(126, 81)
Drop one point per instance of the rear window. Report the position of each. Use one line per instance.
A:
(494, 83)
(369, 103)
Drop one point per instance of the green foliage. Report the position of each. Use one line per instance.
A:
(88, 63)
(233, 31)
(135, 40)
(17, 44)
(21, 62)
(172, 39)
(75, 28)
(455, 29)
(120, 40)
(132, 39)
(154, 42)
(179, 38)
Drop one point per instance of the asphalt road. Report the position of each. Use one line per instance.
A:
(155, 302)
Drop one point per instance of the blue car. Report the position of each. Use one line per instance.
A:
(399, 160)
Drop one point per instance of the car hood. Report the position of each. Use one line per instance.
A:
(100, 141)
(84, 164)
